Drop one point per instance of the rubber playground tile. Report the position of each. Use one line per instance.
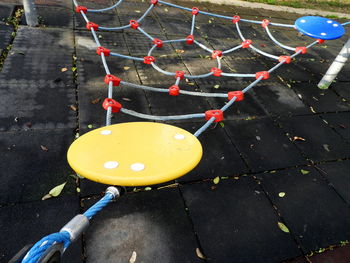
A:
(189, 50)
(263, 145)
(175, 26)
(41, 55)
(318, 141)
(335, 255)
(321, 100)
(34, 162)
(137, 8)
(5, 11)
(314, 213)
(220, 157)
(338, 175)
(163, 12)
(231, 215)
(27, 223)
(341, 89)
(148, 24)
(5, 36)
(102, 19)
(153, 224)
(339, 122)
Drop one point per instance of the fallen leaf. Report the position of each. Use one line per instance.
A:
(45, 197)
(137, 11)
(148, 189)
(216, 86)
(297, 138)
(78, 190)
(126, 99)
(166, 9)
(56, 191)
(95, 101)
(90, 126)
(283, 227)
(281, 194)
(199, 253)
(222, 124)
(326, 147)
(126, 68)
(304, 171)
(216, 180)
(64, 69)
(73, 107)
(44, 148)
(180, 51)
(133, 257)
(263, 45)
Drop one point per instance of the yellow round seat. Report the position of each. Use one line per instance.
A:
(135, 154)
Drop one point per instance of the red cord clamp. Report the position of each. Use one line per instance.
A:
(302, 49)
(148, 60)
(158, 42)
(246, 43)
(218, 114)
(235, 19)
(217, 72)
(80, 8)
(320, 41)
(216, 53)
(195, 11)
(154, 2)
(134, 24)
(116, 106)
(115, 80)
(90, 25)
(264, 74)
(174, 90)
(190, 39)
(179, 74)
(265, 23)
(237, 93)
(103, 50)
(286, 59)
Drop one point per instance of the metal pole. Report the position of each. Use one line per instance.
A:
(336, 66)
(30, 12)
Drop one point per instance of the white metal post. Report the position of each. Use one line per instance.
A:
(30, 12)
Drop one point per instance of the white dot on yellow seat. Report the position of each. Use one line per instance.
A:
(179, 136)
(137, 167)
(106, 132)
(111, 164)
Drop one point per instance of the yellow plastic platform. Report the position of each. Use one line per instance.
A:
(135, 154)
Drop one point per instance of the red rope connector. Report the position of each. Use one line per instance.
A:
(190, 39)
(158, 42)
(179, 74)
(264, 74)
(115, 80)
(218, 114)
(174, 90)
(216, 53)
(195, 11)
(148, 60)
(246, 43)
(116, 106)
(154, 2)
(237, 93)
(235, 19)
(265, 23)
(320, 41)
(286, 59)
(103, 50)
(217, 72)
(90, 25)
(134, 24)
(80, 8)
(302, 49)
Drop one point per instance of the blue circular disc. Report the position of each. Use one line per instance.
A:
(319, 27)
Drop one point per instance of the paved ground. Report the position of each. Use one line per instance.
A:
(256, 152)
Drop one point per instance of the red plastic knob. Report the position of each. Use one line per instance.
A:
(134, 24)
(190, 39)
(148, 60)
(265, 23)
(286, 59)
(263, 74)
(218, 114)
(235, 19)
(174, 90)
(179, 74)
(320, 41)
(246, 43)
(217, 72)
(90, 25)
(115, 80)
(158, 42)
(154, 2)
(103, 50)
(195, 11)
(302, 49)
(216, 53)
(116, 106)
(80, 8)
(237, 93)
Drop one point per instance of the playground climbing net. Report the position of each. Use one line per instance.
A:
(47, 248)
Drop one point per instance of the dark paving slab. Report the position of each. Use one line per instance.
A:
(5, 36)
(321, 142)
(160, 230)
(338, 175)
(337, 255)
(340, 122)
(24, 178)
(234, 218)
(27, 223)
(148, 24)
(263, 144)
(6, 11)
(341, 89)
(315, 222)
(109, 19)
(320, 100)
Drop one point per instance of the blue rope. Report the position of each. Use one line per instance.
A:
(37, 251)
(99, 205)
